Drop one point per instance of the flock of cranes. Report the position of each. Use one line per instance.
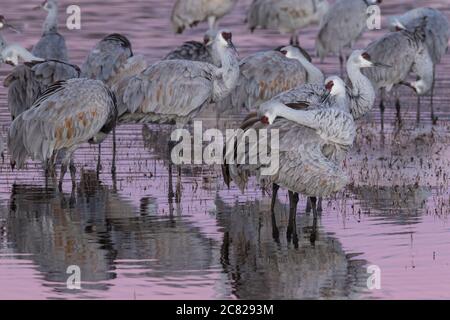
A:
(56, 106)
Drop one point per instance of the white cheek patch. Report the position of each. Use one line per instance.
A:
(222, 41)
(2, 25)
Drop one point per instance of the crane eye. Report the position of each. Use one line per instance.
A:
(284, 52)
(366, 56)
(226, 36)
(329, 85)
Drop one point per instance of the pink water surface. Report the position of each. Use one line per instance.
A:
(131, 242)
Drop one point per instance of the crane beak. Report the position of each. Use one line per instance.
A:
(231, 46)
(382, 65)
(10, 63)
(326, 97)
(7, 25)
(409, 85)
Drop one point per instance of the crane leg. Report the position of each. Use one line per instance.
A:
(99, 159)
(294, 39)
(171, 193)
(382, 108)
(433, 117)
(178, 190)
(292, 225)
(398, 112)
(61, 177)
(341, 63)
(73, 171)
(418, 110)
(319, 204)
(308, 205)
(275, 188)
(212, 23)
(113, 165)
(313, 236)
(275, 231)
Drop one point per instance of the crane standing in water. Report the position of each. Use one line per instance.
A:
(437, 33)
(110, 61)
(174, 91)
(68, 114)
(315, 134)
(406, 51)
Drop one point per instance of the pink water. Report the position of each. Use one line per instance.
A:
(131, 242)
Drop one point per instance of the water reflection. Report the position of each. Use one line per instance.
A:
(262, 268)
(97, 230)
(400, 205)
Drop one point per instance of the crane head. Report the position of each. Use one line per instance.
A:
(5, 24)
(295, 52)
(47, 5)
(224, 40)
(363, 60)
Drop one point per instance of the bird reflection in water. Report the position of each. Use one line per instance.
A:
(291, 267)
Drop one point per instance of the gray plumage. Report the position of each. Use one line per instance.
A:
(309, 150)
(188, 13)
(52, 45)
(436, 31)
(176, 90)
(191, 50)
(341, 26)
(315, 133)
(405, 51)
(286, 16)
(26, 82)
(263, 75)
(66, 115)
(107, 58)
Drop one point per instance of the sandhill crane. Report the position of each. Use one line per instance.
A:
(263, 75)
(406, 51)
(68, 114)
(176, 90)
(27, 81)
(304, 135)
(437, 33)
(196, 51)
(315, 134)
(341, 26)
(110, 61)
(188, 13)
(107, 58)
(52, 45)
(287, 16)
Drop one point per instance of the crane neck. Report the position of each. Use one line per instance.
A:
(362, 94)
(51, 21)
(315, 76)
(287, 113)
(227, 75)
